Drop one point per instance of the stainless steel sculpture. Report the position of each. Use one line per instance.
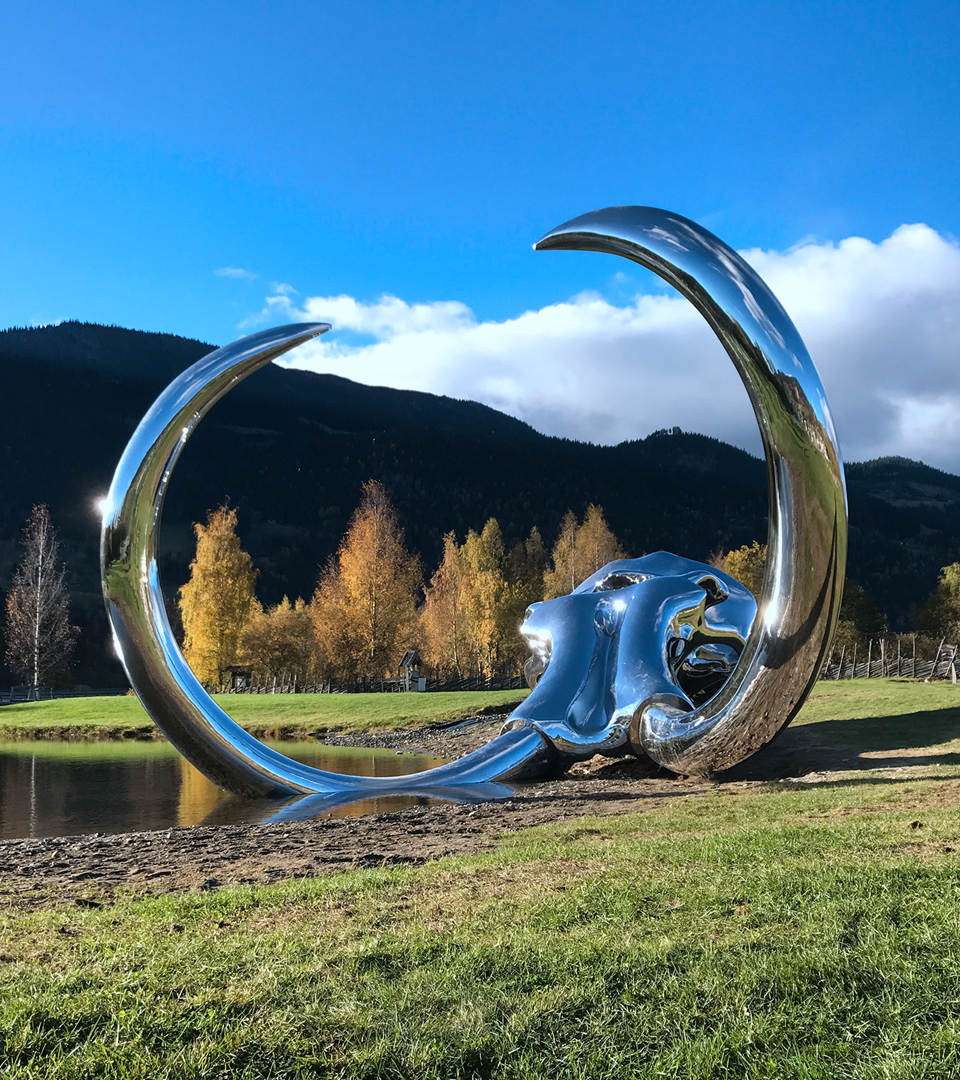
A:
(660, 629)
(660, 655)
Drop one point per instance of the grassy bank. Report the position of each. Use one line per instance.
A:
(265, 715)
(298, 715)
(794, 931)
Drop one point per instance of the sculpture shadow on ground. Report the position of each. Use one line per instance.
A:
(892, 741)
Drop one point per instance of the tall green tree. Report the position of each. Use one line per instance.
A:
(218, 598)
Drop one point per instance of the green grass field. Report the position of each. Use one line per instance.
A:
(293, 715)
(786, 930)
(285, 715)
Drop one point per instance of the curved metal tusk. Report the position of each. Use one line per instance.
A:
(157, 671)
(807, 537)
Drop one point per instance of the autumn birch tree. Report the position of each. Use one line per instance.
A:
(596, 544)
(277, 642)
(39, 637)
(364, 608)
(444, 617)
(484, 588)
(525, 567)
(216, 602)
(560, 578)
(580, 550)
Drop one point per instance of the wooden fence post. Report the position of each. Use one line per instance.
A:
(853, 672)
(869, 656)
(933, 670)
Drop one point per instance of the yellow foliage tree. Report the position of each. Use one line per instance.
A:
(364, 609)
(525, 567)
(475, 603)
(277, 643)
(746, 564)
(483, 591)
(444, 617)
(561, 578)
(580, 550)
(217, 600)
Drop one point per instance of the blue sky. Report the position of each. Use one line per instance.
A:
(417, 150)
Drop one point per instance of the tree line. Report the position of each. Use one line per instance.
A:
(372, 601)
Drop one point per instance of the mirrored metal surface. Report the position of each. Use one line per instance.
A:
(807, 537)
(307, 807)
(157, 671)
(655, 629)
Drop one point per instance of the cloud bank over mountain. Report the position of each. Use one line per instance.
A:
(881, 320)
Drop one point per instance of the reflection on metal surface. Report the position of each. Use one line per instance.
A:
(157, 671)
(807, 538)
(707, 705)
(660, 628)
(351, 803)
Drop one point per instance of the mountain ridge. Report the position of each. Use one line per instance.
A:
(291, 449)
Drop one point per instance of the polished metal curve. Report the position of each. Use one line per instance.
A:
(157, 671)
(807, 532)
(763, 687)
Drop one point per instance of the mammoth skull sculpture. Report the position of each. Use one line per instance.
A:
(660, 630)
(659, 655)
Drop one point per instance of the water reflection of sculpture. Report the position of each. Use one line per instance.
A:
(676, 666)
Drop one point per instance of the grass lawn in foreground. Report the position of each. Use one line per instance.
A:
(787, 930)
(289, 715)
(798, 931)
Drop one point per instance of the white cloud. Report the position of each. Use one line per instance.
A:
(881, 320)
(237, 273)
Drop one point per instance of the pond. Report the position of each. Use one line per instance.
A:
(62, 789)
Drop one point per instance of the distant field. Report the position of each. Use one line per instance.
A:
(277, 715)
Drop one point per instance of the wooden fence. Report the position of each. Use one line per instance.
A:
(879, 659)
(374, 686)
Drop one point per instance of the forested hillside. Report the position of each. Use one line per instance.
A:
(291, 450)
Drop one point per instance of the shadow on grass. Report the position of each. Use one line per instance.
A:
(868, 742)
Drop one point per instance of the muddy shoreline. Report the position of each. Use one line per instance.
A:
(89, 869)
